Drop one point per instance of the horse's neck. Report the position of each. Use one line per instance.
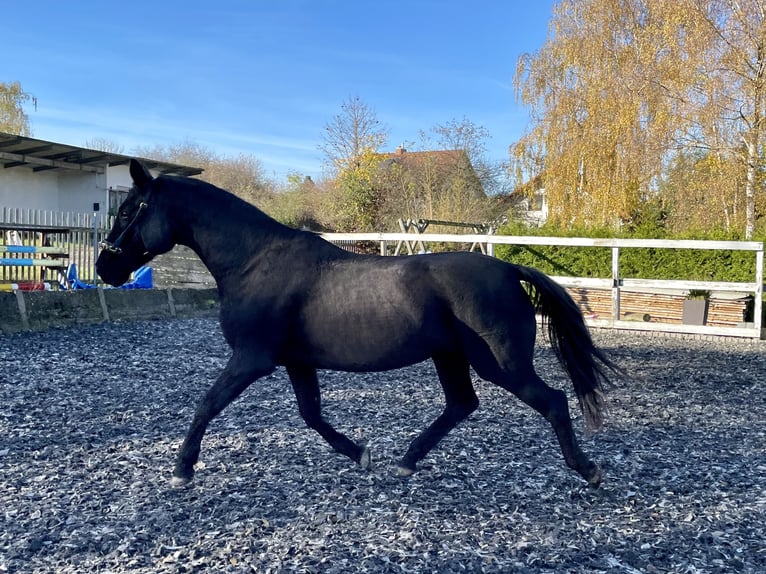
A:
(230, 240)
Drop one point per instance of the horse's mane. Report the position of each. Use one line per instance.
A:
(200, 200)
(222, 200)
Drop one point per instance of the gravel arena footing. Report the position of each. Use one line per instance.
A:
(91, 418)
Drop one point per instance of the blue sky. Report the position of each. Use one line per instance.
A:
(265, 77)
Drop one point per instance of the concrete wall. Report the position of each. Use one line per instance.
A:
(181, 268)
(119, 176)
(23, 188)
(39, 310)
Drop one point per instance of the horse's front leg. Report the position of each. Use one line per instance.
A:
(461, 400)
(306, 387)
(243, 368)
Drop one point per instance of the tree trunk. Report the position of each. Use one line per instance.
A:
(752, 166)
(754, 142)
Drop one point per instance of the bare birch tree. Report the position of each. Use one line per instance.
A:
(352, 133)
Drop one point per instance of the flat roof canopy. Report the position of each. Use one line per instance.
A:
(41, 155)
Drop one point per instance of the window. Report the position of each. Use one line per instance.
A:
(117, 195)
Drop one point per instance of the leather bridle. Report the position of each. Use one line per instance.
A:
(114, 246)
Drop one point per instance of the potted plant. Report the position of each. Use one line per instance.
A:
(695, 307)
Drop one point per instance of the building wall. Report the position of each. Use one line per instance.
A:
(59, 190)
(78, 191)
(119, 176)
(22, 188)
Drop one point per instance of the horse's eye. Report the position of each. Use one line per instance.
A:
(123, 214)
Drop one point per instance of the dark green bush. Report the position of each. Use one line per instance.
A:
(644, 263)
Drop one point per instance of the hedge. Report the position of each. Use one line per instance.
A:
(640, 263)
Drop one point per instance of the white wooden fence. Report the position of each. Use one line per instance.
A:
(616, 283)
(82, 234)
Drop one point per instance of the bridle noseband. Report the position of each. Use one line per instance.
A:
(114, 247)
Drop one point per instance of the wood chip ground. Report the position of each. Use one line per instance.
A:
(90, 420)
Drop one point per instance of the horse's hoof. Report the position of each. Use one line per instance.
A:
(404, 471)
(595, 477)
(179, 481)
(364, 459)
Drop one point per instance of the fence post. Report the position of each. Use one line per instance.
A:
(95, 242)
(615, 284)
(758, 300)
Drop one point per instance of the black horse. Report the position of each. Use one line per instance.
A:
(290, 298)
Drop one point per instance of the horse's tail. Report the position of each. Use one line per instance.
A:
(570, 339)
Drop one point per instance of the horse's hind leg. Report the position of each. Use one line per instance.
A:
(242, 369)
(552, 405)
(306, 387)
(455, 378)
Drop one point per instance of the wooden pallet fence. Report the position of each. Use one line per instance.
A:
(660, 307)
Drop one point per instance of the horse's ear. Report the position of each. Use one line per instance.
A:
(141, 176)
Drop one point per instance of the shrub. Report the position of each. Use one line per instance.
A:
(643, 263)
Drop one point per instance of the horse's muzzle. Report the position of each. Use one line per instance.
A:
(112, 268)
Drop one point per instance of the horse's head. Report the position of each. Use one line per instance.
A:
(140, 230)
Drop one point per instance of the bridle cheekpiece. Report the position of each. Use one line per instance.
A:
(114, 247)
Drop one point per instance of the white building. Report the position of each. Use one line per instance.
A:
(53, 177)
(534, 211)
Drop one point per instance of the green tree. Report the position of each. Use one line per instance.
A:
(13, 119)
(300, 203)
(350, 142)
(356, 194)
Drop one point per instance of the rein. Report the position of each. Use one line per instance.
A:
(114, 247)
